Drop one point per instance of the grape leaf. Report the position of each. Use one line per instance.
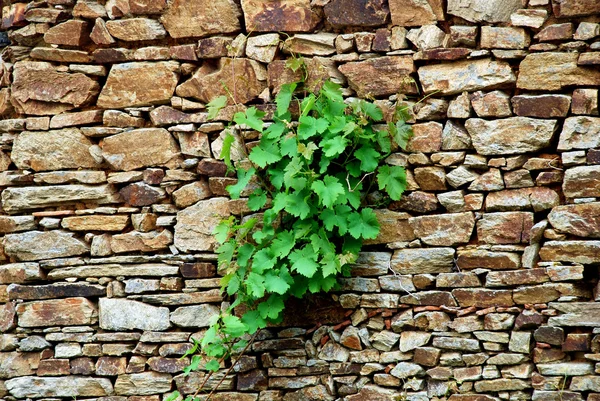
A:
(263, 260)
(215, 105)
(338, 219)
(244, 254)
(304, 261)
(257, 200)
(328, 190)
(244, 177)
(254, 321)
(255, 284)
(393, 180)
(369, 158)
(233, 326)
(283, 243)
(274, 283)
(252, 118)
(307, 127)
(212, 365)
(363, 224)
(284, 97)
(271, 308)
(267, 152)
(334, 146)
(297, 205)
(307, 150)
(332, 91)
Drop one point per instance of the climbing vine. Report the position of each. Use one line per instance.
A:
(311, 183)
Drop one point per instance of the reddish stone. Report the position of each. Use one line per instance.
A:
(82, 366)
(279, 15)
(141, 194)
(198, 270)
(54, 367)
(542, 106)
(14, 16)
(456, 53)
(7, 317)
(111, 366)
(167, 365)
(364, 13)
(254, 380)
(417, 201)
(577, 342)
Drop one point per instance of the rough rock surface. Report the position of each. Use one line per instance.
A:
(116, 314)
(198, 18)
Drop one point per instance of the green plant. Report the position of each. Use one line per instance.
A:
(310, 182)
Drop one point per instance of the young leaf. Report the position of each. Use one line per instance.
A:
(371, 110)
(252, 118)
(295, 63)
(263, 260)
(307, 150)
(328, 190)
(221, 231)
(212, 365)
(284, 97)
(369, 158)
(393, 180)
(233, 326)
(271, 308)
(215, 105)
(274, 283)
(233, 284)
(364, 224)
(332, 91)
(244, 254)
(226, 150)
(401, 132)
(244, 177)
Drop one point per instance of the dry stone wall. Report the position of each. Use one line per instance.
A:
(482, 285)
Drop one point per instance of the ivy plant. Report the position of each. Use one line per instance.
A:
(310, 182)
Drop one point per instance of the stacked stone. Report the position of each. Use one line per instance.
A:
(481, 286)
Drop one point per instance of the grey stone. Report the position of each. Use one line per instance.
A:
(123, 314)
(38, 245)
(194, 316)
(68, 386)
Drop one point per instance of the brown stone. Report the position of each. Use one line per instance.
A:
(416, 13)
(196, 223)
(54, 367)
(445, 229)
(214, 47)
(482, 298)
(198, 270)
(111, 366)
(517, 277)
(14, 15)
(39, 89)
(279, 15)
(141, 194)
(381, 76)
(143, 147)
(481, 258)
(505, 227)
(573, 8)
(134, 241)
(426, 138)
(581, 220)
(246, 76)
(7, 317)
(95, 223)
(167, 365)
(541, 106)
(554, 71)
(147, 7)
(53, 150)
(78, 118)
(197, 18)
(582, 182)
(136, 29)
(364, 13)
(139, 84)
(46, 15)
(100, 34)
(59, 312)
(20, 273)
(571, 251)
(70, 33)
(14, 364)
(52, 387)
(82, 366)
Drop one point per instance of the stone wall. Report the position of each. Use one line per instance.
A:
(480, 287)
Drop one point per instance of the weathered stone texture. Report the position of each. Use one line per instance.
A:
(198, 18)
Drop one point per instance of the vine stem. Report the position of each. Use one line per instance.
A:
(231, 367)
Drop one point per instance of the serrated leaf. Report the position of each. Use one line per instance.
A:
(271, 308)
(276, 284)
(283, 244)
(369, 158)
(257, 200)
(392, 180)
(263, 260)
(401, 133)
(244, 177)
(233, 284)
(337, 218)
(215, 105)
(244, 254)
(274, 131)
(307, 150)
(228, 141)
(332, 91)
(284, 97)
(328, 190)
(371, 110)
(225, 253)
(265, 153)
(334, 146)
(297, 205)
(304, 262)
(173, 396)
(221, 231)
(254, 321)
(307, 104)
(307, 127)
(212, 365)
(252, 118)
(294, 63)
(233, 326)
(255, 284)
(363, 224)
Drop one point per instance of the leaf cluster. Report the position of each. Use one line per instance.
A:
(309, 177)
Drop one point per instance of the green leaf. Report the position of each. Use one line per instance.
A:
(257, 200)
(337, 124)
(252, 118)
(393, 180)
(271, 308)
(274, 283)
(307, 104)
(328, 190)
(283, 243)
(263, 260)
(334, 146)
(369, 158)
(276, 177)
(371, 110)
(307, 127)
(244, 177)
(330, 265)
(265, 154)
(228, 141)
(297, 205)
(304, 261)
(212, 365)
(284, 97)
(363, 224)
(233, 284)
(244, 254)
(337, 218)
(254, 321)
(401, 132)
(274, 131)
(193, 366)
(332, 91)
(215, 105)
(225, 253)
(255, 284)
(233, 326)
(221, 231)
